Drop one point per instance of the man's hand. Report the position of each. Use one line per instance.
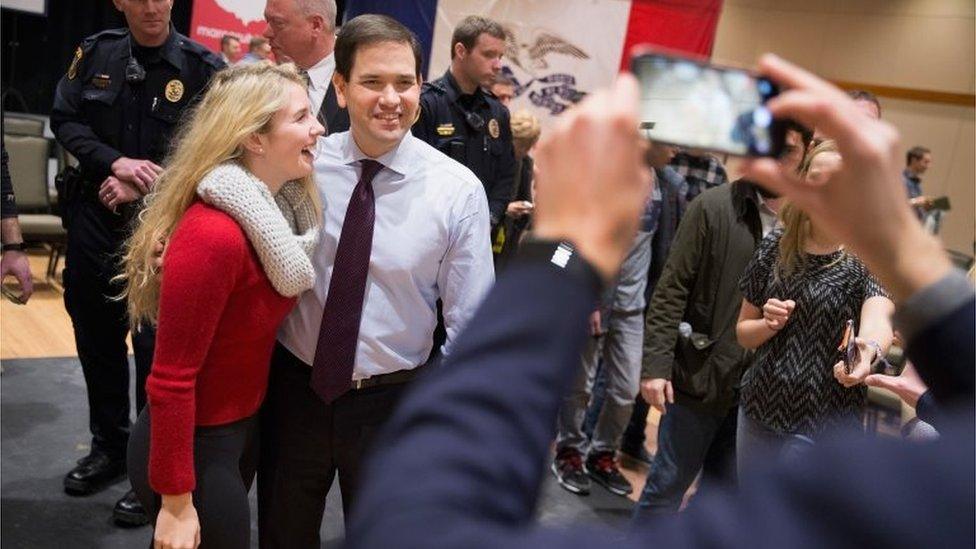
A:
(657, 392)
(777, 313)
(519, 208)
(908, 386)
(16, 263)
(864, 204)
(114, 192)
(923, 202)
(592, 182)
(595, 323)
(140, 173)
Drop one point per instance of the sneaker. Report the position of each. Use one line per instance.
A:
(568, 470)
(602, 468)
(638, 455)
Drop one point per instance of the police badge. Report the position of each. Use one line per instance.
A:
(73, 69)
(493, 128)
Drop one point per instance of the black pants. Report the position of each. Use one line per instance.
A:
(305, 442)
(224, 460)
(634, 436)
(101, 325)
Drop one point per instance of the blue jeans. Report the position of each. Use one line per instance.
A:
(756, 445)
(688, 441)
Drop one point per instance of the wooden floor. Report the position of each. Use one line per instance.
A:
(41, 328)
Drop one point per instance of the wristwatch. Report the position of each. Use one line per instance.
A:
(562, 255)
(14, 247)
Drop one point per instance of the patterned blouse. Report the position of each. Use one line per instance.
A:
(790, 387)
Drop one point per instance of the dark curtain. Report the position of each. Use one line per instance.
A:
(37, 50)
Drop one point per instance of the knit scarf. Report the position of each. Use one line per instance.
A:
(283, 229)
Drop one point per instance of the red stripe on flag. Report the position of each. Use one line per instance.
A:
(683, 25)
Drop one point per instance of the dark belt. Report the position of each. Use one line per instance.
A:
(392, 378)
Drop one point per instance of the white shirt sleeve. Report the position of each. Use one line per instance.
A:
(467, 271)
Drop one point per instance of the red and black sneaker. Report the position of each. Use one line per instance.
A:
(568, 469)
(603, 468)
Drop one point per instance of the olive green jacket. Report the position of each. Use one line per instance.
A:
(700, 285)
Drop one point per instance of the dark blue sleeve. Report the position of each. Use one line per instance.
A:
(461, 462)
(943, 353)
(462, 459)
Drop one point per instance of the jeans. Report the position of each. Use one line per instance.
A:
(755, 444)
(688, 442)
(620, 347)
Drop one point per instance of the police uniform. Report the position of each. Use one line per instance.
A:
(107, 107)
(473, 129)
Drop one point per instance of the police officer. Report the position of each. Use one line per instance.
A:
(115, 110)
(462, 120)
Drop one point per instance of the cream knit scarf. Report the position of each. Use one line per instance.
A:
(283, 229)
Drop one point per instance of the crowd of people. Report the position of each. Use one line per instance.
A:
(305, 253)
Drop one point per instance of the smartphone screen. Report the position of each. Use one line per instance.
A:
(697, 105)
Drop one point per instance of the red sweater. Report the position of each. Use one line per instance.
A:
(218, 316)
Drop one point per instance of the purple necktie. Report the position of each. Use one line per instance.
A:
(335, 354)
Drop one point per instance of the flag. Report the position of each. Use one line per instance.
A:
(557, 51)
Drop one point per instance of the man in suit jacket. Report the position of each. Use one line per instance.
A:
(303, 31)
(462, 459)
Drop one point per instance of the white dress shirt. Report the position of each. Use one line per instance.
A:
(768, 217)
(430, 240)
(320, 76)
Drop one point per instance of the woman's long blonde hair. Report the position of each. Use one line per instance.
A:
(240, 101)
(792, 258)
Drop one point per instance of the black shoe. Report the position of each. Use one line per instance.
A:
(94, 474)
(129, 512)
(568, 469)
(602, 468)
(638, 455)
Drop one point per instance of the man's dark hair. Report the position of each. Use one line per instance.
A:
(368, 29)
(864, 95)
(473, 26)
(256, 42)
(225, 39)
(916, 153)
(806, 134)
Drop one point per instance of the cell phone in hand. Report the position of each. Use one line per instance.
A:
(11, 296)
(941, 203)
(695, 104)
(850, 353)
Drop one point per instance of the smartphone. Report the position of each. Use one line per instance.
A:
(11, 296)
(850, 353)
(941, 203)
(694, 104)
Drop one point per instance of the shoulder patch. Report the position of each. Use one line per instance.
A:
(73, 69)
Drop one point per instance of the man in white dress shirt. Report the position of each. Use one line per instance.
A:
(303, 31)
(404, 226)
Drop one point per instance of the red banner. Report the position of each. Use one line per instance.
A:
(212, 19)
(682, 25)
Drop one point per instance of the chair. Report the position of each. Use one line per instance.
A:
(14, 124)
(28, 172)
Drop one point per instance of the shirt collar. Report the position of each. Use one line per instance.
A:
(455, 90)
(171, 50)
(320, 73)
(397, 159)
(908, 173)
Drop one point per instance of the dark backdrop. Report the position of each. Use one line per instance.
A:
(37, 50)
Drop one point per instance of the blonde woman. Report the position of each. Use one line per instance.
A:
(800, 289)
(238, 209)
